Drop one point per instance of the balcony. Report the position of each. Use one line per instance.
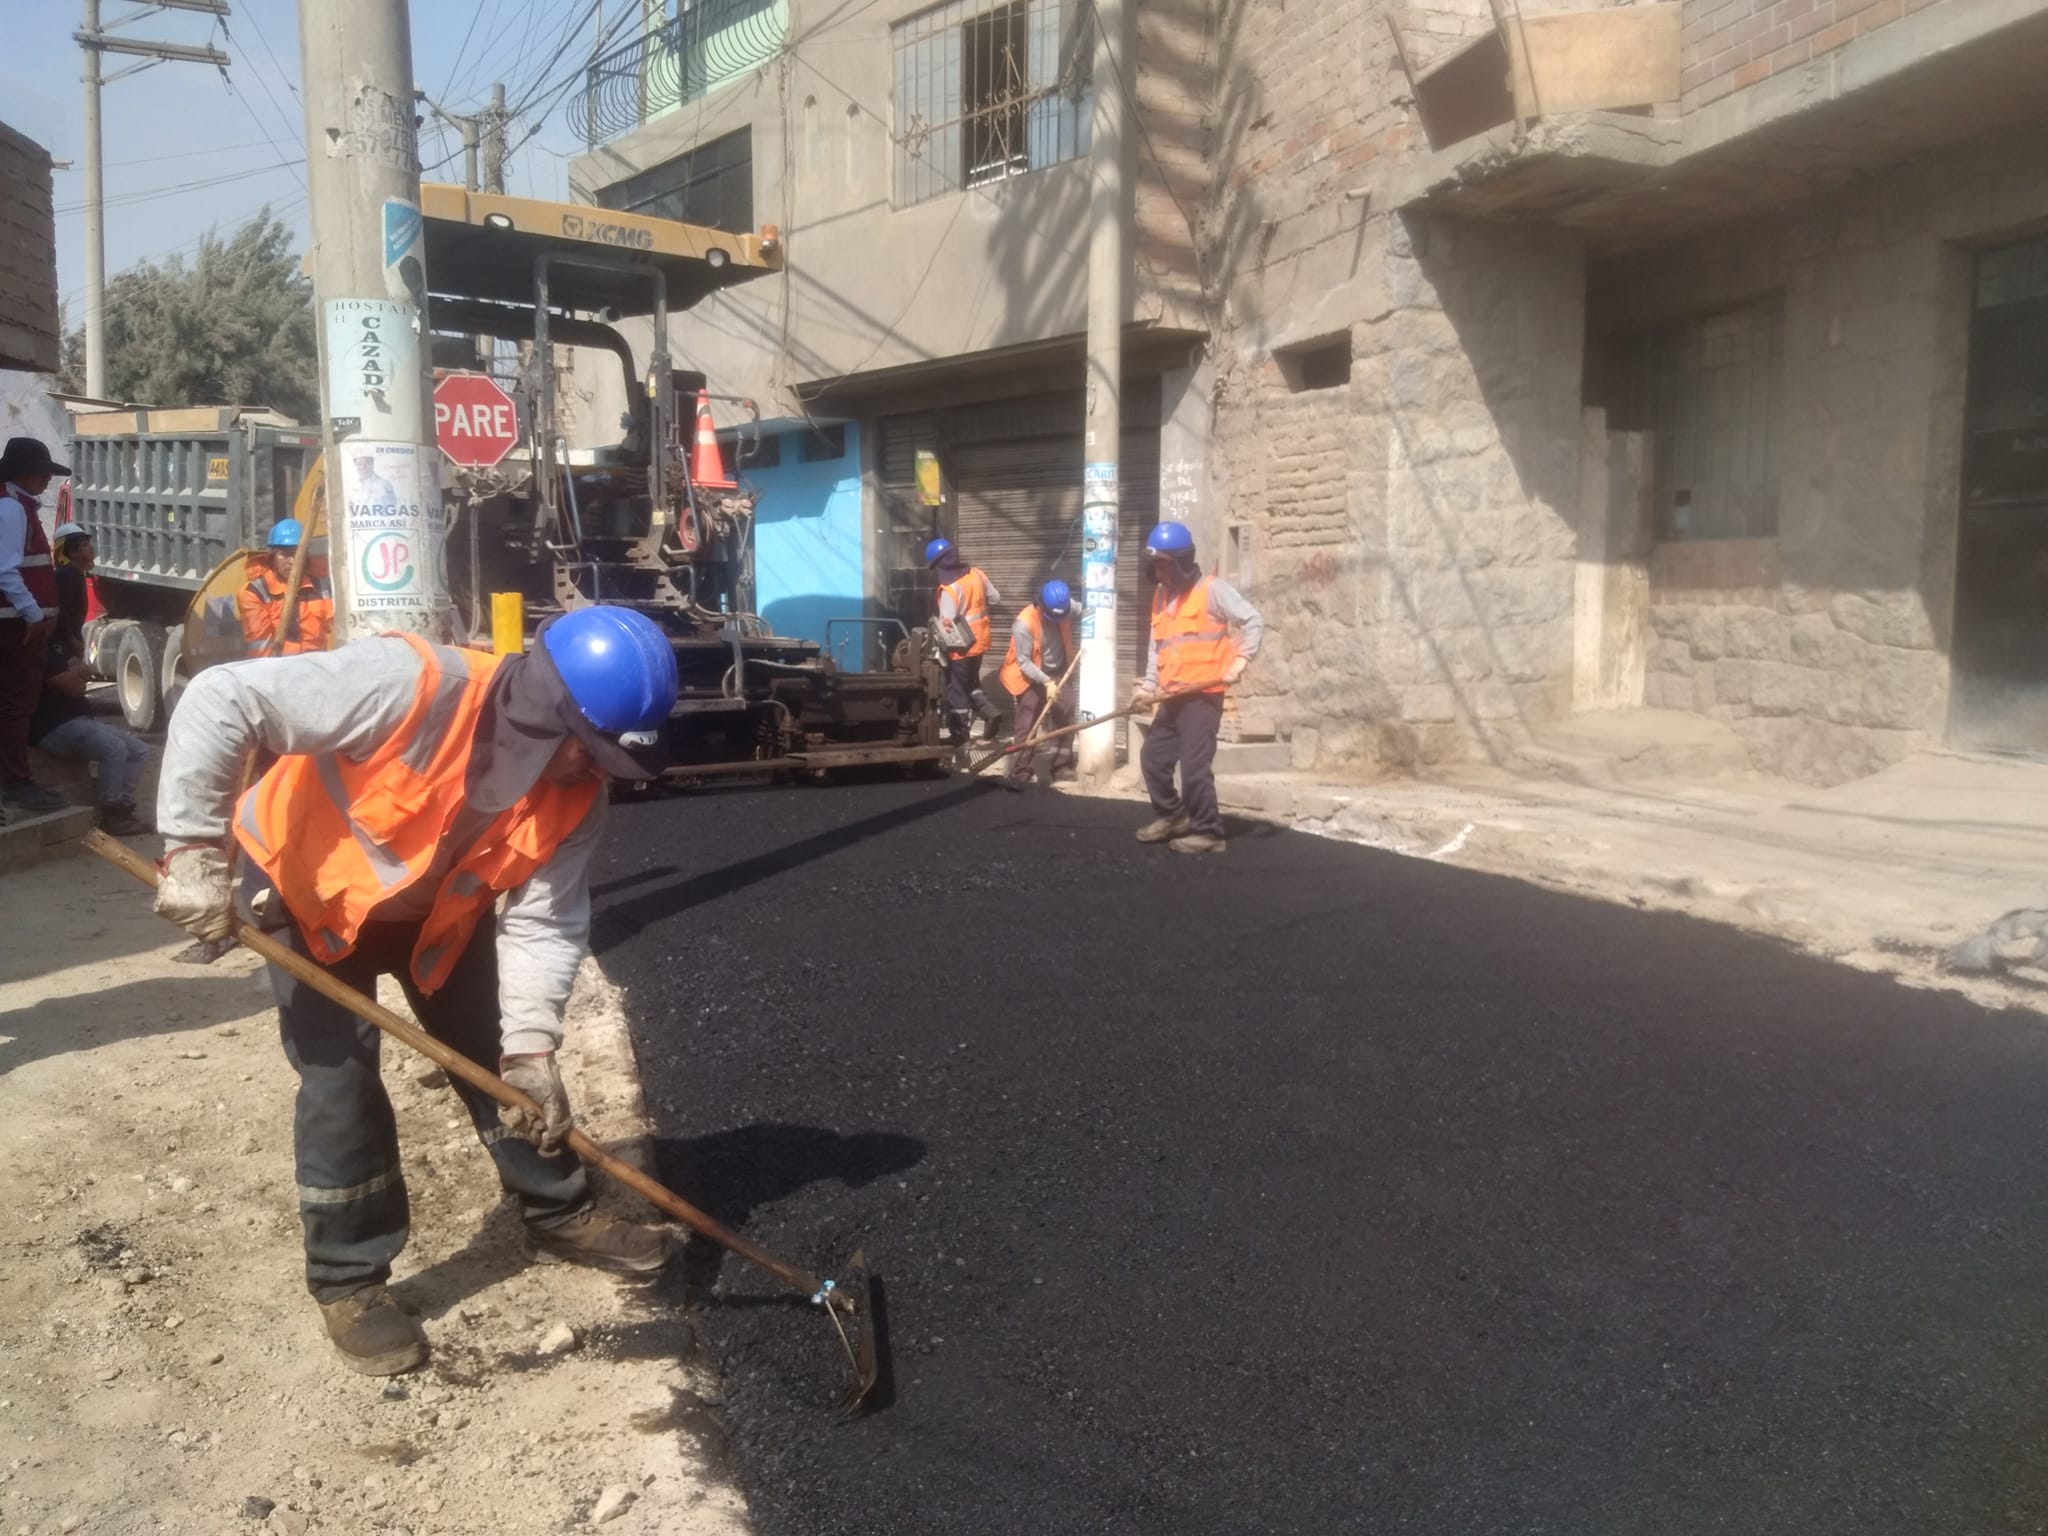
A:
(692, 53)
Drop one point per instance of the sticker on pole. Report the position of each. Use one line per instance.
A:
(390, 533)
(373, 365)
(475, 421)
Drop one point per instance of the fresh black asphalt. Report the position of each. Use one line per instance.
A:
(1310, 1189)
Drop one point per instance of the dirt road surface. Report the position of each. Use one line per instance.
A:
(161, 1367)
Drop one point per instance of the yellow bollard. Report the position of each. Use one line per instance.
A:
(508, 623)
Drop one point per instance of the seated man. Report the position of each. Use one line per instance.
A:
(63, 726)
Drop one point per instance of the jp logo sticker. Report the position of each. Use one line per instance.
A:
(387, 564)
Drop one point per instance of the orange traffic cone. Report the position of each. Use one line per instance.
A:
(707, 464)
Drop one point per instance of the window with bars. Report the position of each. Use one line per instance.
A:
(988, 89)
(1711, 398)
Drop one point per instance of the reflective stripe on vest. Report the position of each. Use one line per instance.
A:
(338, 836)
(970, 599)
(1195, 648)
(38, 574)
(1034, 621)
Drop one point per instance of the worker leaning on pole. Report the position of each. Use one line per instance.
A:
(415, 786)
(1195, 657)
(260, 604)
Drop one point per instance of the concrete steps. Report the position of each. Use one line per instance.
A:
(29, 840)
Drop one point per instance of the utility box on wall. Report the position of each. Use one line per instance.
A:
(30, 332)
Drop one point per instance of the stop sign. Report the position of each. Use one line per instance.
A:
(475, 422)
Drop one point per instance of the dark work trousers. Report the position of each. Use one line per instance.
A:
(1185, 733)
(21, 685)
(1030, 705)
(963, 690)
(351, 1193)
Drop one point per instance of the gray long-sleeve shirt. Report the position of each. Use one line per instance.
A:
(1055, 658)
(1228, 606)
(348, 701)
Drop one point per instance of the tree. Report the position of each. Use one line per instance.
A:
(233, 326)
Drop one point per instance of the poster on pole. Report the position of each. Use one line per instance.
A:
(373, 367)
(1098, 543)
(394, 531)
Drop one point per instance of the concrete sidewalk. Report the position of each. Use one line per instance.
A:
(1887, 873)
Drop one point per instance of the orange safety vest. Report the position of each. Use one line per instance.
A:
(339, 836)
(1195, 648)
(1034, 620)
(259, 607)
(970, 597)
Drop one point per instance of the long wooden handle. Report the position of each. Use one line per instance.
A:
(1068, 730)
(458, 1065)
(1038, 732)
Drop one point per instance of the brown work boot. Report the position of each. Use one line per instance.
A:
(372, 1334)
(602, 1242)
(1164, 830)
(1198, 842)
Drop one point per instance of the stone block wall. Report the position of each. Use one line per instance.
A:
(1730, 44)
(1826, 648)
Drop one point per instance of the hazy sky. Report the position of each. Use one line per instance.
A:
(186, 151)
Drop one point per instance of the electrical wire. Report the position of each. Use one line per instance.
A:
(151, 195)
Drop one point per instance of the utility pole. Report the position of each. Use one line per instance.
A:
(98, 42)
(370, 288)
(494, 142)
(1109, 266)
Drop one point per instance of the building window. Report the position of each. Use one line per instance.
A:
(1317, 365)
(986, 91)
(1712, 395)
(824, 445)
(753, 450)
(712, 185)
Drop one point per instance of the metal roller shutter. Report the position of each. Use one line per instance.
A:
(1014, 469)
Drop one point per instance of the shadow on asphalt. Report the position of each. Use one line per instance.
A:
(627, 919)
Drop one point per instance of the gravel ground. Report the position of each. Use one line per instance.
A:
(1313, 1189)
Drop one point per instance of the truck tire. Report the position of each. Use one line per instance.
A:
(172, 677)
(138, 674)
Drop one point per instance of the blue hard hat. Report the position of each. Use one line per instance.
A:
(1170, 539)
(618, 665)
(1055, 599)
(937, 550)
(285, 533)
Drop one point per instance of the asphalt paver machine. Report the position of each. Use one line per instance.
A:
(511, 282)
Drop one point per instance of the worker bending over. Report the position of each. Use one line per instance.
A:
(1041, 645)
(260, 604)
(415, 785)
(1194, 660)
(965, 596)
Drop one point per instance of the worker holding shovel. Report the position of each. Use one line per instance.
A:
(414, 786)
(1041, 653)
(1195, 658)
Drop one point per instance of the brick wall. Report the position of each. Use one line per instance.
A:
(1731, 44)
(28, 257)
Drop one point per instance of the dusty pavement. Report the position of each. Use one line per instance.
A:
(1313, 1189)
(160, 1364)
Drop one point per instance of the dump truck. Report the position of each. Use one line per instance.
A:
(511, 280)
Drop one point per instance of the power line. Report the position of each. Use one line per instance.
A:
(284, 78)
(190, 154)
(263, 85)
(152, 194)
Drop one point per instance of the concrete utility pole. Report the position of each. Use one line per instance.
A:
(494, 142)
(1109, 265)
(370, 286)
(98, 42)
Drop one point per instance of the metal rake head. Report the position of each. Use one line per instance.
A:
(856, 1313)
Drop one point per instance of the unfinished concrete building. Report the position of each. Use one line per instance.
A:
(1683, 357)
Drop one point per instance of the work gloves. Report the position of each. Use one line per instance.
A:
(1145, 694)
(540, 1080)
(193, 892)
(1052, 692)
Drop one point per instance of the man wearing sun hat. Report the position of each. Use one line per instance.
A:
(28, 614)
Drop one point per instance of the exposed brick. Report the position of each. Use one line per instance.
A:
(1791, 56)
(1844, 9)
(1812, 22)
(1742, 31)
(1750, 74)
(1790, 10)
(1692, 77)
(1834, 37)
(1882, 14)
(1713, 90)
(1733, 59)
(1766, 43)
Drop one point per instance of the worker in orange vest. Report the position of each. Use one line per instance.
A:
(260, 605)
(414, 786)
(1039, 653)
(1195, 657)
(965, 597)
